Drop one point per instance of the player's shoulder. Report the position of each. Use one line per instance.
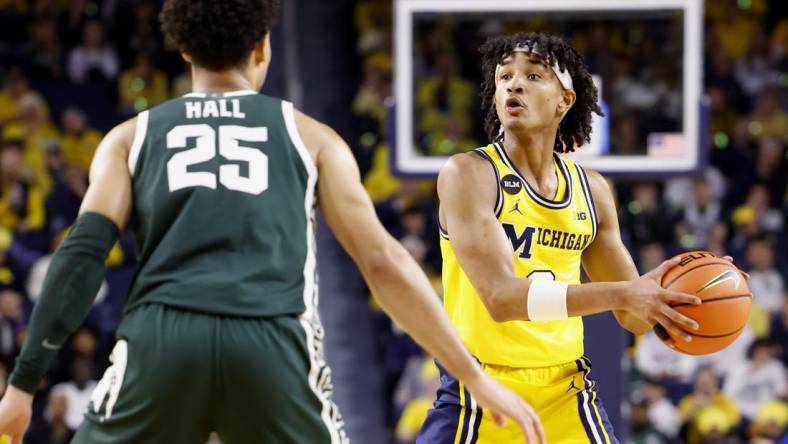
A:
(464, 164)
(595, 179)
(466, 172)
(311, 128)
(317, 136)
(123, 133)
(597, 182)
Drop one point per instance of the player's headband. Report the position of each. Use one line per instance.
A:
(531, 48)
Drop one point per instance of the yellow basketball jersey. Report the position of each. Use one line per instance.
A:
(547, 238)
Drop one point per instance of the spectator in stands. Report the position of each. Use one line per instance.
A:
(12, 325)
(36, 131)
(141, 86)
(706, 395)
(84, 344)
(718, 238)
(719, 72)
(656, 360)
(662, 414)
(145, 37)
(375, 88)
(633, 92)
(444, 96)
(413, 223)
(15, 86)
(54, 429)
(644, 217)
(642, 430)
(45, 55)
(778, 331)
(754, 71)
(94, 58)
(64, 200)
(770, 423)
(714, 426)
(76, 392)
(771, 169)
(756, 381)
(735, 23)
(745, 230)
(765, 282)
(723, 116)
(768, 119)
(680, 191)
(419, 398)
(79, 141)
(769, 220)
(21, 200)
(701, 214)
(625, 135)
(651, 255)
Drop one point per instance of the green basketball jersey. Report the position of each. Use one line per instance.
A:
(223, 207)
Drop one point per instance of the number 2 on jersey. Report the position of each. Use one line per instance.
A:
(178, 173)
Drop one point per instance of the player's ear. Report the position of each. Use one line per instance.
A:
(567, 100)
(186, 57)
(262, 50)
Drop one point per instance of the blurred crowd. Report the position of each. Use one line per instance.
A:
(72, 69)
(736, 206)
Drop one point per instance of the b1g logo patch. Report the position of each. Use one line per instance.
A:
(511, 184)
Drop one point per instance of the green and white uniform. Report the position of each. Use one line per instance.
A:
(220, 330)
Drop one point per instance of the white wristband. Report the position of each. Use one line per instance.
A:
(547, 300)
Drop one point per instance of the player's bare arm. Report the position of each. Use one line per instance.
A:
(607, 259)
(109, 195)
(396, 280)
(467, 195)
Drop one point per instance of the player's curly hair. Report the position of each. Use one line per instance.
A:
(575, 129)
(217, 34)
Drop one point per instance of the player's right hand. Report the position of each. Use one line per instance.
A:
(646, 299)
(503, 403)
(15, 412)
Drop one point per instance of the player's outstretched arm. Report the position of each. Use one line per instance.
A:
(466, 187)
(396, 280)
(607, 259)
(73, 278)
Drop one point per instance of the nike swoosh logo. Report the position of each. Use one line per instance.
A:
(729, 275)
(48, 345)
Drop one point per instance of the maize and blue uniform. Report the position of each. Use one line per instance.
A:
(541, 361)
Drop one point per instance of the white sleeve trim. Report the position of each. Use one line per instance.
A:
(295, 137)
(139, 137)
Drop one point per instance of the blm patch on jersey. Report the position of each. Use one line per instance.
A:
(511, 184)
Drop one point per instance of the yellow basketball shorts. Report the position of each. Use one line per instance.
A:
(564, 396)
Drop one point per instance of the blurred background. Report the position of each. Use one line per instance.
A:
(70, 70)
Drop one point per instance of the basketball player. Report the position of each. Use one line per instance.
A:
(220, 331)
(518, 221)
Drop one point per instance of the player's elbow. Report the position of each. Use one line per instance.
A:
(379, 263)
(494, 302)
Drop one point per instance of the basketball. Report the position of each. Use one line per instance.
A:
(725, 306)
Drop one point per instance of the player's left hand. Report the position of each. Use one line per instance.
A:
(503, 403)
(15, 413)
(744, 273)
